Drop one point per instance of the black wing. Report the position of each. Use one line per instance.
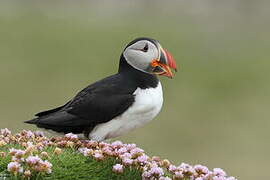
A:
(98, 103)
(43, 113)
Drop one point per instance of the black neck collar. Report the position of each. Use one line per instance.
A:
(143, 80)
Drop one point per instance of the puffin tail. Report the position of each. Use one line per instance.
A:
(32, 121)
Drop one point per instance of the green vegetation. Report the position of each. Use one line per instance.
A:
(70, 165)
(31, 155)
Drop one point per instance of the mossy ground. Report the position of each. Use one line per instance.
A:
(70, 165)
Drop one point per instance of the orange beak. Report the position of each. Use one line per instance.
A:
(162, 66)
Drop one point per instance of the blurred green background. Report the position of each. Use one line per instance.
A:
(216, 109)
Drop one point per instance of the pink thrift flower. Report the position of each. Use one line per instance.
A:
(136, 152)
(103, 144)
(130, 146)
(153, 164)
(98, 156)
(45, 143)
(14, 167)
(13, 158)
(219, 172)
(117, 144)
(156, 171)
(127, 161)
(29, 134)
(208, 176)
(185, 166)
(91, 143)
(178, 175)
(187, 169)
(12, 151)
(39, 146)
(82, 150)
(86, 151)
(156, 158)
(118, 168)
(45, 166)
(19, 153)
(146, 175)
(5, 132)
(126, 155)
(32, 160)
(172, 168)
(142, 159)
(201, 169)
(122, 150)
(7, 139)
(108, 150)
(71, 136)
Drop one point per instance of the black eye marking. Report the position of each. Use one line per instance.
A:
(145, 49)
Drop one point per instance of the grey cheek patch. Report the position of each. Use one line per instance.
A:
(135, 64)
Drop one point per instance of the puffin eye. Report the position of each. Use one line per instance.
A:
(145, 49)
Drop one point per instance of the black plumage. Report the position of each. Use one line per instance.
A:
(98, 103)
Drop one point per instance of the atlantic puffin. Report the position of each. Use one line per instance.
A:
(119, 103)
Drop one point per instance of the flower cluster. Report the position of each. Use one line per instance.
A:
(197, 172)
(32, 159)
(23, 159)
(152, 167)
(14, 167)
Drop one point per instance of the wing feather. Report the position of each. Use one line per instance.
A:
(98, 103)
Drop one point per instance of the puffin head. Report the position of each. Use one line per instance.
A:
(147, 55)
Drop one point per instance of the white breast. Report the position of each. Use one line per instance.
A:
(147, 105)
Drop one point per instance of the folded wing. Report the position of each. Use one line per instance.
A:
(98, 103)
